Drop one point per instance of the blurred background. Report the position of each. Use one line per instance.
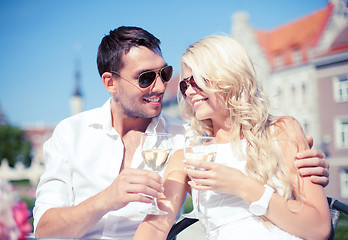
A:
(48, 67)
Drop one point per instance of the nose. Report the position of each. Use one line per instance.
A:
(159, 85)
(190, 90)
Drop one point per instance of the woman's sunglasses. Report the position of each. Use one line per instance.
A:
(186, 82)
(145, 79)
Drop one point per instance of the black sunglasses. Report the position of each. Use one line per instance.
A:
(186, 82)
(145, 79)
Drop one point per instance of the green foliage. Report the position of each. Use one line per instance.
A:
(14, 145)
(341, 232)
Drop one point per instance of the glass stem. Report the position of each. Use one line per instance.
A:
(154, 203)
(197, 201)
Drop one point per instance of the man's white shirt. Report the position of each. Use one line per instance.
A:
(83, 157)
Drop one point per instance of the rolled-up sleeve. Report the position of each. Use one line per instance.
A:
(55, 188)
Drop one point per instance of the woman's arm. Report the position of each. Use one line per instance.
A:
(308, 218)
(175, 188)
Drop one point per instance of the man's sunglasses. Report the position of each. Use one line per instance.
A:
(186, 82)
(145, 79)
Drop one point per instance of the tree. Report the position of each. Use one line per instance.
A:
(14, 146)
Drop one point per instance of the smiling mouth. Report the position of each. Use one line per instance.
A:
(153, 100)
(196, 102)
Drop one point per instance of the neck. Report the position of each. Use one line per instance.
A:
(222, 132)
(124, 124)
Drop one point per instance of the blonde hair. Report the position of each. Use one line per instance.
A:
(220, 64)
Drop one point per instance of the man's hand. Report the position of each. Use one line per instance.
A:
(132, 185)
(312, 163)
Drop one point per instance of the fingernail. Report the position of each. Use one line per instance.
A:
(159, 195)
(162, 189)
(299, 155)
(300, 173)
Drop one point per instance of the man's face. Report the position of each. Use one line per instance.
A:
(137, 102)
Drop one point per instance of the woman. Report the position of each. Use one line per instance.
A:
(252, 190)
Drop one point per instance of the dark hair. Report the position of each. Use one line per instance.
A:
(119, 41)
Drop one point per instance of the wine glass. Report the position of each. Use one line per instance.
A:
(199, 148)
(156, 149)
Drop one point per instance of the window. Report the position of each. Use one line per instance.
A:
(278, 61)
(344, 183)
(305, 127)
(341, 133)
(293, 94)
(279, 92)
(277, 103)
(304, 92)
(340, 88)
(296, 56)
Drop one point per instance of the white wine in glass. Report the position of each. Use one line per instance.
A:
(156, 159)
(208, 157)
(199, 148)
(156, 150)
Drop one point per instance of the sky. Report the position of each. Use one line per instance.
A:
(41, 40)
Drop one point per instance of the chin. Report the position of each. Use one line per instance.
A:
(202, 114)
(201, 118)
(155, 113)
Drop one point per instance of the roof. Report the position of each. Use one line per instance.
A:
(298, 35)
(340, 44)
(338, 51)
(38, 134)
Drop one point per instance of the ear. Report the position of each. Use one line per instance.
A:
(109, 82)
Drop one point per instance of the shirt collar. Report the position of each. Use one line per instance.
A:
(158, 125)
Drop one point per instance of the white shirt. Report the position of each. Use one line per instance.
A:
(83, 157)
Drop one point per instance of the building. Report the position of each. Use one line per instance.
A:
(37, 135)
(303, 68)
(332, 81)
(76, 100)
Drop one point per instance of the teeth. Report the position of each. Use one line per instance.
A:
(195, 103)
(153, 99)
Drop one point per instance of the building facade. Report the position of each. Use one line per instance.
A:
(332, 78)
(303, 67)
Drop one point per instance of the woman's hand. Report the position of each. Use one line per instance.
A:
(215, 177)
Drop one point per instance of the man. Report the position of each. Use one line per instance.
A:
(95, 183)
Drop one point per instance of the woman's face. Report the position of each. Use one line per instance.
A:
(207, 105)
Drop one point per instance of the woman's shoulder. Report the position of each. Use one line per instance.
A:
(290, 128)
(288, 124)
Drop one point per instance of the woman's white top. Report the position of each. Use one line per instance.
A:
(228, 215)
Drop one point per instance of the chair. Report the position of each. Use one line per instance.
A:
(336, 208)
(180, 226)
